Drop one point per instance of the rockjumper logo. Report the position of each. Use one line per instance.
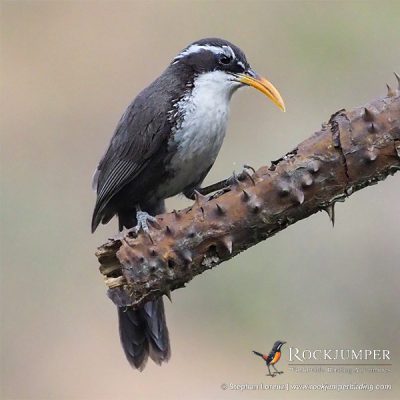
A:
(304, 355)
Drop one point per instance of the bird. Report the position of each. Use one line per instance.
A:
(273, 357)
(165, 144)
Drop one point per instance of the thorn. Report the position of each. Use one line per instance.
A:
(199, 198)
(314, 166)
(245, 195)
(372, 128)
(371, 155)
(398, 80)
(330, 210)
(153, 253)
(191, 233)
(255, 205)
(284, 189)
(168, 231)
(220, 209)
(152, 269)
(390, 91)
(227, 242)
(187, 256)
(299, 196)
(177, 216)
(168, 294)
(368, 116)
(306, 180)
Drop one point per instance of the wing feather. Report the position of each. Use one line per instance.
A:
(141, 132)
(137, 138)
(122, 171)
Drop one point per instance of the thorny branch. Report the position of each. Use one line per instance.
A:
(355, 149)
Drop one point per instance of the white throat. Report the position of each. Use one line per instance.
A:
(203, 115)
(207, 103)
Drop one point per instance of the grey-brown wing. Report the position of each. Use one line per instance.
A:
(139, 135)
(141, 132)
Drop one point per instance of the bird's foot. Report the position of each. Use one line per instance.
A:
(234, 179)
(271, 375)
(247, 173)
(143, 218)
(224, 184)
(279, 372)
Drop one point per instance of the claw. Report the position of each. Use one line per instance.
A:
(168, 294)
(246, 174)
(246, 166)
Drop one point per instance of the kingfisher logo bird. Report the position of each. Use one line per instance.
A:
(272, 358)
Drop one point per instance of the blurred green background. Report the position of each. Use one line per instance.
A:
(68, 71)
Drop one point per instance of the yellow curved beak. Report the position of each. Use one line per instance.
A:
(264, 86)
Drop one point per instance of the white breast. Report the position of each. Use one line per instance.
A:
(200, 133)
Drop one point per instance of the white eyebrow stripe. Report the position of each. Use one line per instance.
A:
(241, 64)
(195, 48)
(231, 51)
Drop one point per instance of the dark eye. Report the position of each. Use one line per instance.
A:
(224, 60)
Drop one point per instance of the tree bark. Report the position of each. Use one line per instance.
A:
(355, 149)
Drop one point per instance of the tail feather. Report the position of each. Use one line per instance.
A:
(133, 337)
(157, 331)
(143, 332)
(100, 215)
(258, 354)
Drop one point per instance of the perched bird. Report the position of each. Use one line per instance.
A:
(165, 143)
(273, 357)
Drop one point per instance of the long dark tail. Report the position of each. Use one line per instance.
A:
(258, 354)
(143, 332)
